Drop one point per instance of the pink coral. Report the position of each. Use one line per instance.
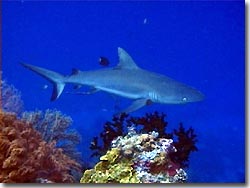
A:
(10, 98)
(25, 157)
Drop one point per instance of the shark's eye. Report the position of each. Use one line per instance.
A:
(184, 99)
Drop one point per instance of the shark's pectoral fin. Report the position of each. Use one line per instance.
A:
(139, 103)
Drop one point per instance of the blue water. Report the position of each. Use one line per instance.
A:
(198, 43)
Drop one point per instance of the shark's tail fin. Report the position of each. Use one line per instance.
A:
(55, 78)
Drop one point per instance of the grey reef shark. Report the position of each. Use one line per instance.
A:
(126, 80)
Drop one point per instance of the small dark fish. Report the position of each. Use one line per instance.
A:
(103, 61)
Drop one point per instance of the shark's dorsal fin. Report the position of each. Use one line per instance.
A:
(125, 61)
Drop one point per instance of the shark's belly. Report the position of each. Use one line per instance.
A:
(128, 92)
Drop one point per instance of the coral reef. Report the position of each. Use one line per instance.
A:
(10, 98)
(183, 140)
(26, 157)
(137, 158)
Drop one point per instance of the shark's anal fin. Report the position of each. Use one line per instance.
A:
(139, 103)
(91, 91)
(77, 86)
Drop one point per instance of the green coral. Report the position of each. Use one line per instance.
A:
(112, 168)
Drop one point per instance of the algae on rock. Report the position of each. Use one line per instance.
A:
(111, 169)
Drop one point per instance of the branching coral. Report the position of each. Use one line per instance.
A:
(184, 140)
(25, 157)
(111, 131)
(184, 145)
(137, 158)
(10, 98)
(152, 122)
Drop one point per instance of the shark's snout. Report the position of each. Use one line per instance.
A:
(199, 96)
(193, 96)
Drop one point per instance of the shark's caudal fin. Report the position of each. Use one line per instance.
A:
(55, 78)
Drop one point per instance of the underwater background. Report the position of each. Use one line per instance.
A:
(201, 44)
